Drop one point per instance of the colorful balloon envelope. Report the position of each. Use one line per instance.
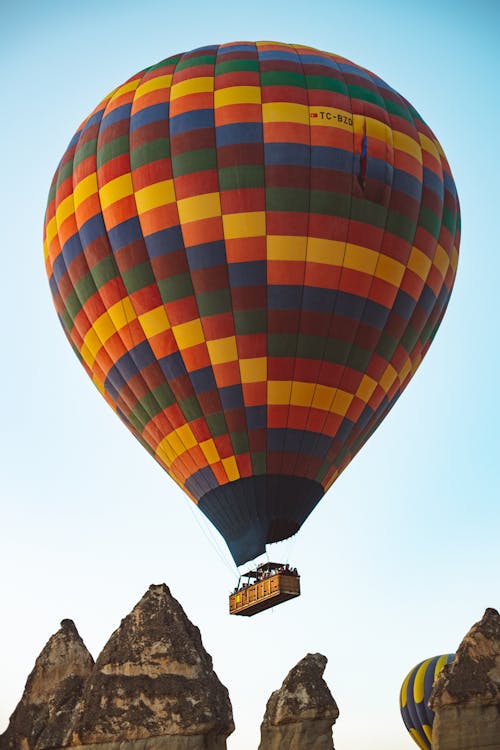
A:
(414, 699)
(250, 247)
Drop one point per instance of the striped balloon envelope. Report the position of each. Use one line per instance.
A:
(250, 247)
(414, 699)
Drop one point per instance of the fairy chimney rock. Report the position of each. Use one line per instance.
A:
(154, 678)
(53, 696)
(300, 715)
(466, 696)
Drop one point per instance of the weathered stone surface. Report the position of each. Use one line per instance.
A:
(154, 678)
(52, 698)
(300, 715)
(466, 696)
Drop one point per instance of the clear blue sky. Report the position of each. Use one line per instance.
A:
(402, 556)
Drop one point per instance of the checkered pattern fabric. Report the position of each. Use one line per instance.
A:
(250, 248)
(414, 699)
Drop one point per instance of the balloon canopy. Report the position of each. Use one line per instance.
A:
(250, 248)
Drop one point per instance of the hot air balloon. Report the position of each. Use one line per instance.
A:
(414, 699)
(250, 247)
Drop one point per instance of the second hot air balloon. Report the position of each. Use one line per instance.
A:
(414, 699)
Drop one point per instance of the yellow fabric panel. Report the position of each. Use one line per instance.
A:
(331, 480)
(428, 731)
(188, 334)
(65, 208)
(166, 452)
(152, 196)
(428, 145)
(419, 263)
(378, 129)
(125, 89)
(441, 260)
(323, 396)
(405, 370)
(359, 123)
(192, 86)
(389, 270)
(286, 248)
(160, 82)
(237, 95)
(253, 370)
(454, 259)
(366, 388)
(111, 321)
(415, 735)
(85, 188)
(199, 207)
(91, 343)
(51, 231)
(177, 442)
(341, 402)
(418, 684)
(222, 350)
(101, 331)
(186, 436)
(154, 321)
(388, 378)
(231, 468)
(285, 112)
(439, 665)
(245, 224)
(115, 190)
(332, 117)
(403, 695)
(122, 312)
(330, 252)
(278, 392)
(405, 143)
(302, 393)
(361, 259)
(210, 451)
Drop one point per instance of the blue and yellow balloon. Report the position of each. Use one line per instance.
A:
(414, 699)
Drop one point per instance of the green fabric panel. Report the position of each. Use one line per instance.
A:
(430, 222)
(85, 150)
(328, 203)
(282, 78)
(250, 321)
(194, 161)
(112, 149)
(176, 287)
(241, 176)
(192, 62)
(287, 199)
(409, 338)
(214, 303)
(104, 271)
(239, 441)
(138, 277)
(190, 408)
(386, 346)
(235, 66)
(216, 423)
(258, 459)
(149, 152)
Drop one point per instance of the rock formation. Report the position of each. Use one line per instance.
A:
(466, 696)
(52, 698)
(300, 715)
(153, 687)
(154, 678)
